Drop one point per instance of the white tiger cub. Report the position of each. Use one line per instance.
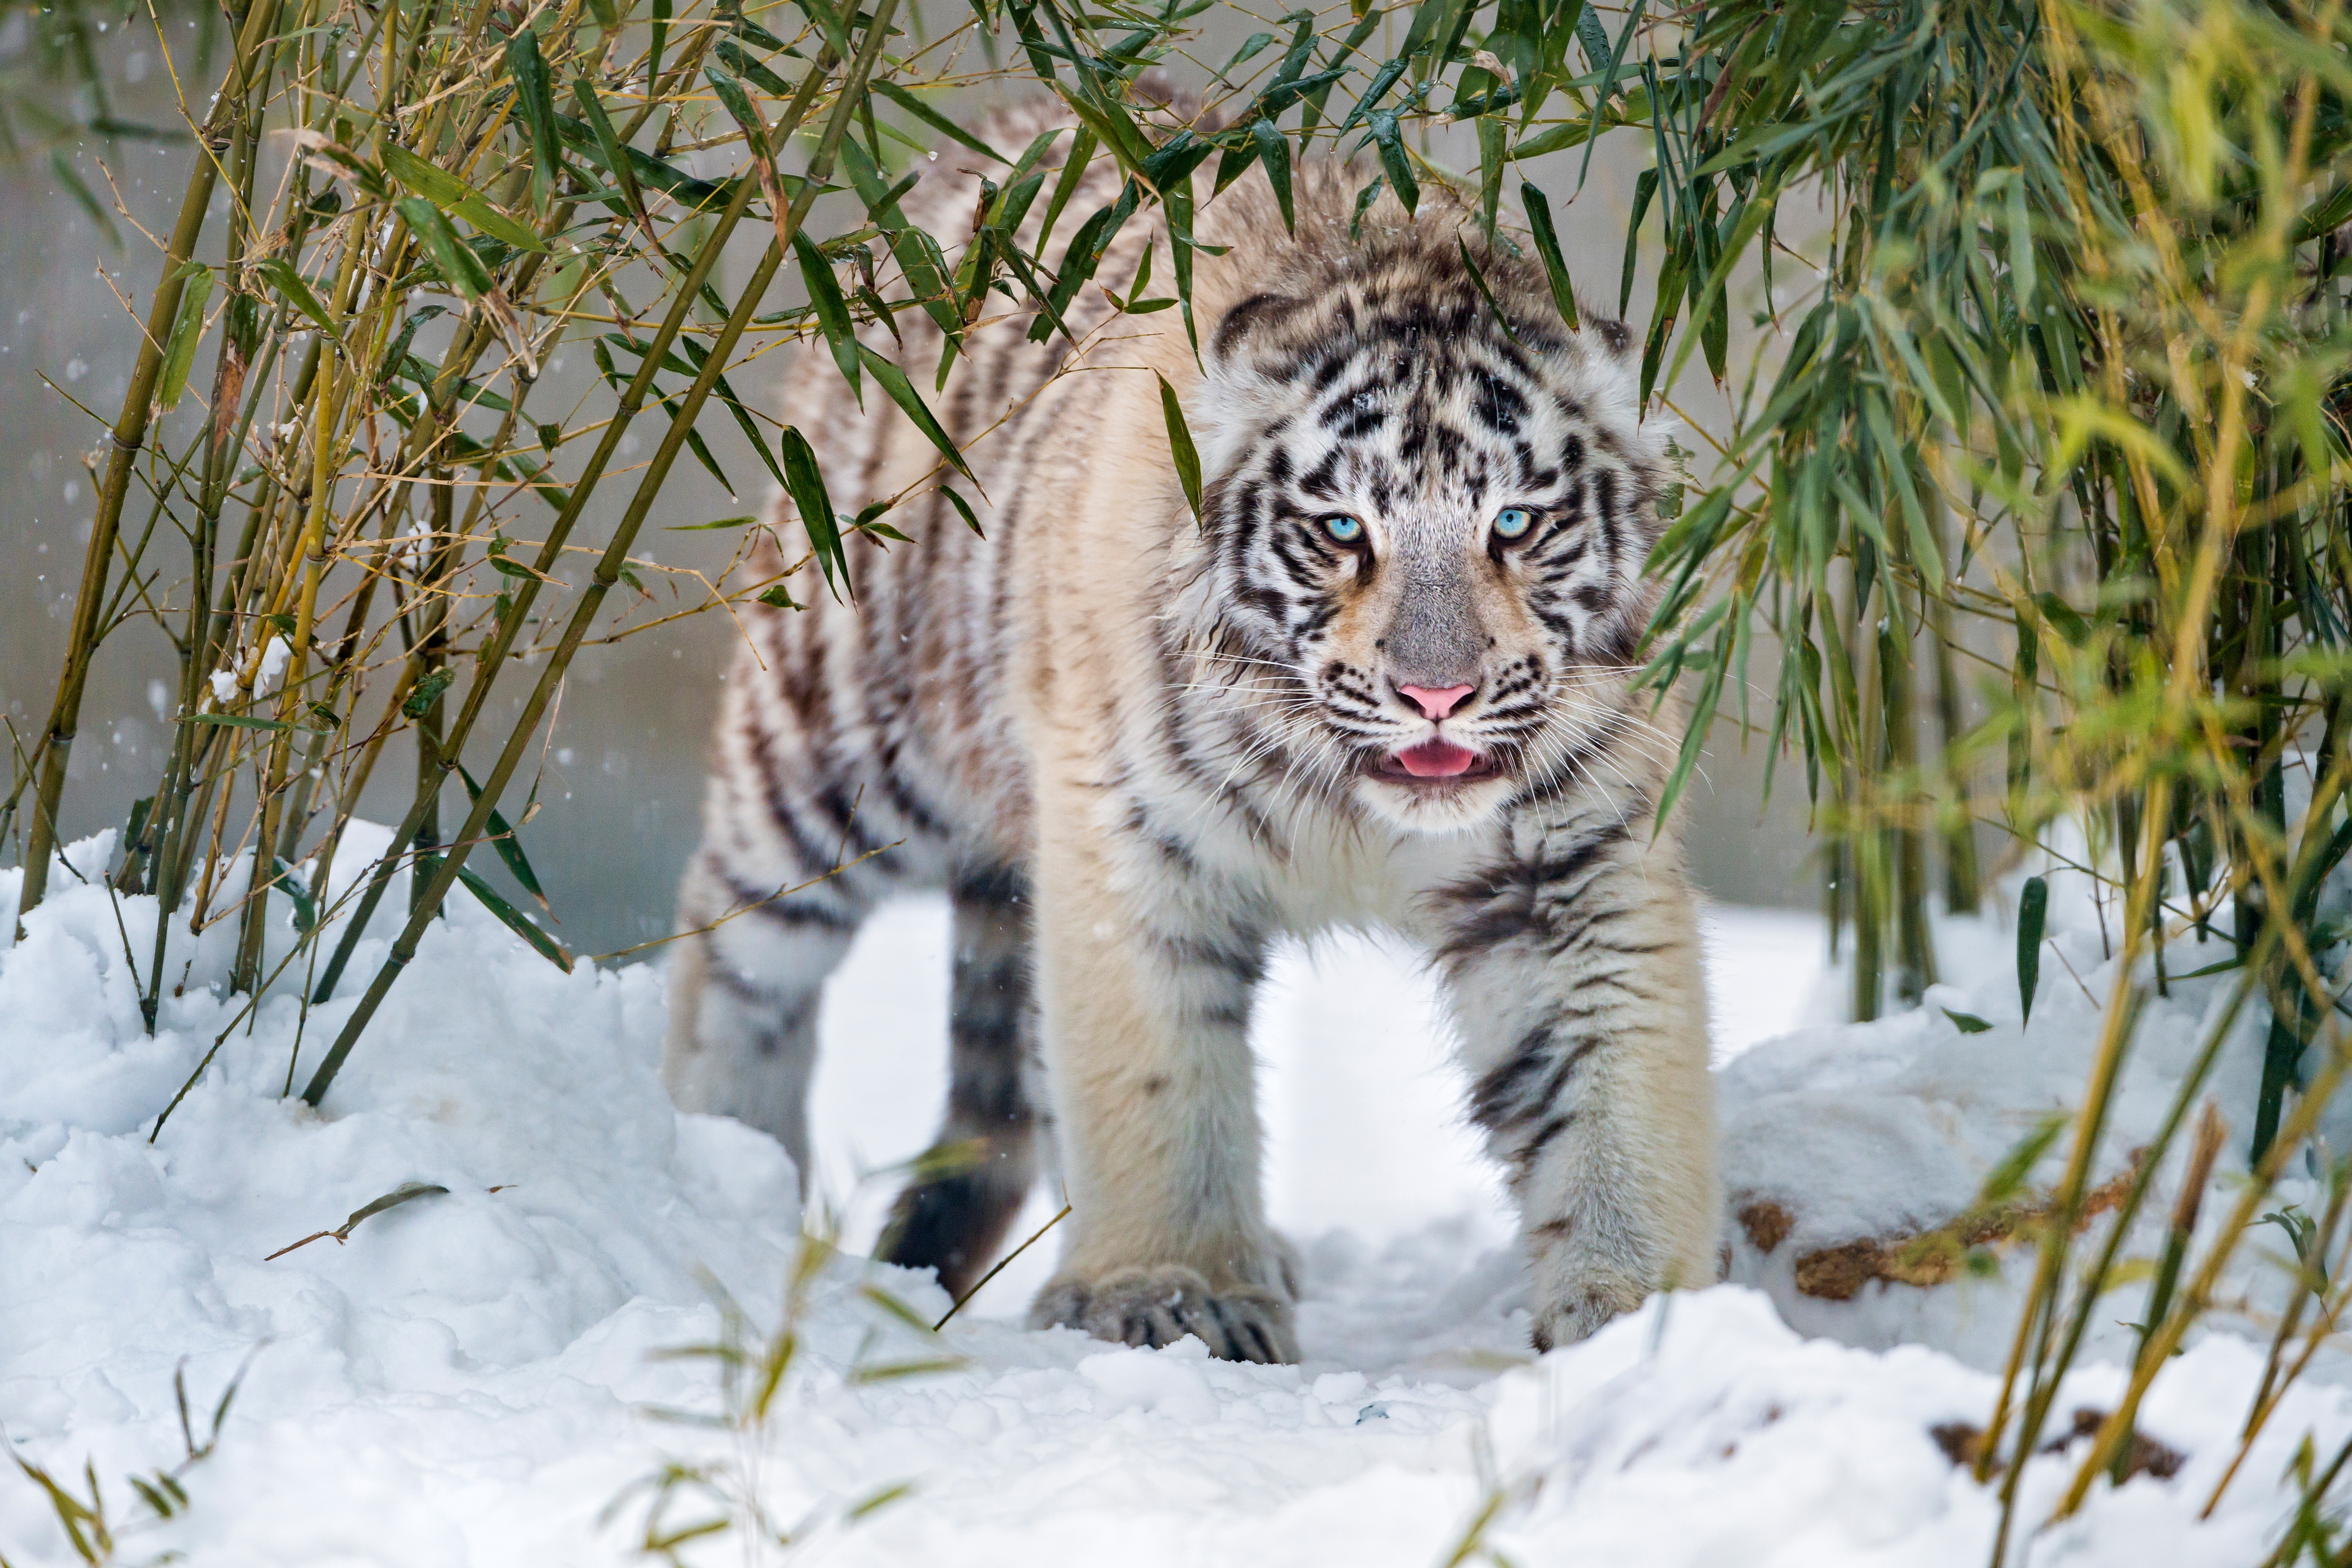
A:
(1380, 682)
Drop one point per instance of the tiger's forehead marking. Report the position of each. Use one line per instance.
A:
(1425, 406)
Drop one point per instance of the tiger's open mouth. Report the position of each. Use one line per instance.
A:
(1436, 764)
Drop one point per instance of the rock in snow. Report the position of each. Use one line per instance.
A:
(475, 1376)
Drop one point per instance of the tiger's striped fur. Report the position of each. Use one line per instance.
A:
(1135, 748)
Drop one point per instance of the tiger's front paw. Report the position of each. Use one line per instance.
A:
(1578, 1312)
(1160, 1305)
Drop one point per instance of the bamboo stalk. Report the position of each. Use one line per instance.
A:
(129, 436)
(608, 569)
(493, 660)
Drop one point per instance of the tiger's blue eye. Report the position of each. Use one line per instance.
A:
(1344, 528)
(1513, 522)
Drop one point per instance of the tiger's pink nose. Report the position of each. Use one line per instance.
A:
(1435, 702)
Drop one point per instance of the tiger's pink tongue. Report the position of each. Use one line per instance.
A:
(1437, 758)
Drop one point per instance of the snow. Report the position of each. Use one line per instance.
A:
(473, 1377)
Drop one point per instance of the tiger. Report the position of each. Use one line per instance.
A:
(1386, 678)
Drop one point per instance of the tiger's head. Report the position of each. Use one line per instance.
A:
(1422, 528)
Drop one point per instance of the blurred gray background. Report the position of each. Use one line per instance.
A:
(622, 788)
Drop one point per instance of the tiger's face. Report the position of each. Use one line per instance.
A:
(1427, 534)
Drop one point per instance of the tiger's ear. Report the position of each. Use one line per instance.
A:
(1250, 332)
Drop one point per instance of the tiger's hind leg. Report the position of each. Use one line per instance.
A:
(953, 1216)
(744, 986)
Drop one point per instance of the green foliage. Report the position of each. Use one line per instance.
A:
(2061, 391)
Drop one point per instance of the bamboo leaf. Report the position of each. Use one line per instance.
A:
(609, 150)
(1274, 152)
(893, 381)
(831, 311)
(1251, 46)
(450, 193)
(306, 913)
(1389, 140)
(963, 510)
(187, 332)
(289, 285)
(2033, 910)
(806, 484)
(699, 196)
(743, 415)
(1563, 293)
(245, 722)
(536, 99)
(503, 839)
(1180, 445)
(1478, 281)
(459, 266)
(514, 919)
(936, 120)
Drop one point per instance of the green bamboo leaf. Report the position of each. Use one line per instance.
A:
(244, 722)
(1646, 186)
(737, 104)
(514, 919)
(1274, 152)
(1382, 79)
(608, 146)
(699, 447)
(289, 285)
(750, 70)
(396, 357)
(1547, 238)
(187, 332)
(963, 510)
(936, 120)
(1969, 1024)
(700, 195)
(1180, 445)
(806, 484)
(1083, 147)
(2033, 910)
(893, 381)
(831, 311)
(1478, 279)
(305, 912)
(503, 839)
(536, 99)
(743, 415)
(917, 254)
(1389, 140)
(450, 193)
(892, 1371)
(1551, 139)
(408, 1192)
(2009, 1176)
(1493, 137)
(457, 264)
(427, 692)
(2060, 617)
(1364, 200)
(1251, 46)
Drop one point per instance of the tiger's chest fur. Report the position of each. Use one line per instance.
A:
(1380, 678)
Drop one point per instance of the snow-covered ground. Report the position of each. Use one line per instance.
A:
(470, 1378)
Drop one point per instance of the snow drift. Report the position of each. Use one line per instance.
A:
(468, 1378)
